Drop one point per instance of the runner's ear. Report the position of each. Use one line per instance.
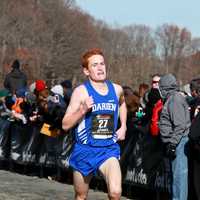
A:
(86, 71)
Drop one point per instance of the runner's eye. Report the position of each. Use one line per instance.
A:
(94, 65)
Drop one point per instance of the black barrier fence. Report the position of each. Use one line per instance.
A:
(143, 163)
(142, 160)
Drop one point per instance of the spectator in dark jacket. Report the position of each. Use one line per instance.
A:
(195, 101)
(16, 79)
(194, 142)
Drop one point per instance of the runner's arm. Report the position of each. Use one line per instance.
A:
(121, 132)
(122, 110)
(79, 105)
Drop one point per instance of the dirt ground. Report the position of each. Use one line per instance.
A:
(14, 186)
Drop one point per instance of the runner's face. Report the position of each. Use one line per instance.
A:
(96, 70)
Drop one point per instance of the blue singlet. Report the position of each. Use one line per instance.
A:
(96, 134)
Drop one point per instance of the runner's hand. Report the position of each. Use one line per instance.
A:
(121, 133)
(86, 106)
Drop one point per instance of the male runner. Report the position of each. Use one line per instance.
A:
(93, 110)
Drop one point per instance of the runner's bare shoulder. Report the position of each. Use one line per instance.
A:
(79, 94)
(81, 91)
(118, 90)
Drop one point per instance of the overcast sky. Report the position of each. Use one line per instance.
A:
(184, 13)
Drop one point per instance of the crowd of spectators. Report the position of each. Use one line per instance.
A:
(147, 108)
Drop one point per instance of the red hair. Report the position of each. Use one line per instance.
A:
(88, 54)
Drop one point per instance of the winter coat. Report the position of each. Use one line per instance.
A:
(15, 80)
(154, 126)
(175, 117)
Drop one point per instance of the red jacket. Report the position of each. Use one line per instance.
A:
(154, 128)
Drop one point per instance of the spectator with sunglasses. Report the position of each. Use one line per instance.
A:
(155, 81)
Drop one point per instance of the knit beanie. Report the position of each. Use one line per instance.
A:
(40, 85)
(57, 89)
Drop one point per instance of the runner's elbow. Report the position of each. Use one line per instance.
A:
(65, 125)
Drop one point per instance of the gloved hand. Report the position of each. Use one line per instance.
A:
(171, 151)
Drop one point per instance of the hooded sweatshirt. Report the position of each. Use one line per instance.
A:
(15, 80)
(175, 117)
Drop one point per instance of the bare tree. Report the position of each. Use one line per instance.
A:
(49, 37)
(174, 44)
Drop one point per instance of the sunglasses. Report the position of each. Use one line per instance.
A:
(155, 81)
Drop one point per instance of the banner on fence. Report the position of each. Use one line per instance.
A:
(143, 162)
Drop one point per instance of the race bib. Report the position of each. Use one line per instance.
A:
(102, 126)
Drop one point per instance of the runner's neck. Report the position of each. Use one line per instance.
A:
(100, 87)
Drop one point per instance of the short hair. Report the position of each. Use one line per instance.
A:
(88, 54)
(143, 87)
(66, 84)
(195, 85)
(16, 64)
(154, 75)
(127, 90)
(132, 102)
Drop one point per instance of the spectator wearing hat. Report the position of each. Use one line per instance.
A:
(41, 90)
(42, 94)
(58, 95)
(58, 89)
(40, 85)
(16, 79)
